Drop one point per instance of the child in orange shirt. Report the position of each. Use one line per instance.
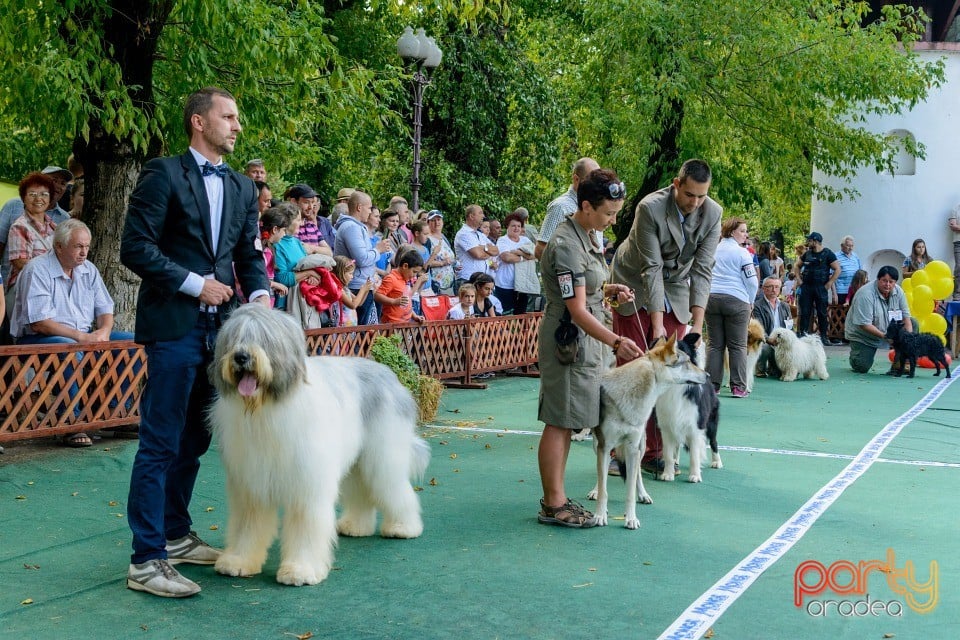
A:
(395, 291)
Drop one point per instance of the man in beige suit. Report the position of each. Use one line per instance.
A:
(668, 261)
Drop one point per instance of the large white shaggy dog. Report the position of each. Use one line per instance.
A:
(297, 432)
(627, 397)
(798, 357)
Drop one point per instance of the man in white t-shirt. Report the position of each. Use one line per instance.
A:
(564, 204)
(472, 247)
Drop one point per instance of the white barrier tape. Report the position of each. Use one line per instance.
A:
(782, 452)
(706, 609)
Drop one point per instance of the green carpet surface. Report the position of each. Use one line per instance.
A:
(484, 567)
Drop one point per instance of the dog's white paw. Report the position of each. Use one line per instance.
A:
(298, 575)
(631, 523)
(644, 498)
(717, 463)
(356, 528)
(229, 564)
(592, 494)
(666, 476)
(600, 519)
(401, 529)
(580, 437)
(694, 477)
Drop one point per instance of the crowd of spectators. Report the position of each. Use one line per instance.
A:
(382, 262)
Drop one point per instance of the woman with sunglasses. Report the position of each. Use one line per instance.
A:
(574, 273)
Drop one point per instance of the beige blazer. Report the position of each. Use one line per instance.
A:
(662, 261)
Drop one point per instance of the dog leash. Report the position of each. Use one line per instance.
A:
(614, 303)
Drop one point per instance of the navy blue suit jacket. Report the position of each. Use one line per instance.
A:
(167, 235)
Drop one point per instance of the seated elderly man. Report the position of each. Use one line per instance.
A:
(772, 314)
(61, 298)
(874, 305)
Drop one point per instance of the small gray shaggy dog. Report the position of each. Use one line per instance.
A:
(296, 432)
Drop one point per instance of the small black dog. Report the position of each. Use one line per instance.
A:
(910, 346)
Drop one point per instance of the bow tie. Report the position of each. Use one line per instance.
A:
(220, 170)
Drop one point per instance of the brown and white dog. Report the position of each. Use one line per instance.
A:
(627, 397)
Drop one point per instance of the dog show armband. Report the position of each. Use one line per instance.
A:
(565, 280)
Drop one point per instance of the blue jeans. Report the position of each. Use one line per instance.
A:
(68, 371)
(173, 436)
(366, 312)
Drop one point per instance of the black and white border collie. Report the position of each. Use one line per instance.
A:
(689, 415)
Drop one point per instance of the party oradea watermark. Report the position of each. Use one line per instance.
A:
(814, 584)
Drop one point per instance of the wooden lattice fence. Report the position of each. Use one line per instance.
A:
(49, 390)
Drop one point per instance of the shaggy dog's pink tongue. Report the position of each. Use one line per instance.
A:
(248, 385)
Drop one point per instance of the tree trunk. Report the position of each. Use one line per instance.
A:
(132, 29)
(662, 165)
(108, 185)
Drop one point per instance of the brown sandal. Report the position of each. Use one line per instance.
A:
(570, 514)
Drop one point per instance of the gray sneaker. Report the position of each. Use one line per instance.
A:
(160, 579)
(190, 549)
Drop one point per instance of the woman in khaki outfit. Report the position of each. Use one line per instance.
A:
(574, 273)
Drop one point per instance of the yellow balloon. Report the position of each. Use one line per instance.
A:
(907, 285)
(909, 297)
(935, 324)
(920, 277)
(938, 269)
(942, 288)
(922, 301)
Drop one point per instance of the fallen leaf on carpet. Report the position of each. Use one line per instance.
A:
(433, 482)
(585, 584)
(214, 527)
(487, 446)
(453, 456)
(301, 636)
(208, 509)
(112, 503)
(27, 601)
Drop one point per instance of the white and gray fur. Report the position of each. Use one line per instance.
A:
(297, 432)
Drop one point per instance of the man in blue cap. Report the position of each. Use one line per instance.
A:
(818, 269)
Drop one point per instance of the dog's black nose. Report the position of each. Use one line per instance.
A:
(241, 358)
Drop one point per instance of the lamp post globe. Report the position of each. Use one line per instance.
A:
(422, 53)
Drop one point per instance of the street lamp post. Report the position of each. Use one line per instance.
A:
(422, 52)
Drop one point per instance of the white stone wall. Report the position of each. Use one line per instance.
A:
(893, 210)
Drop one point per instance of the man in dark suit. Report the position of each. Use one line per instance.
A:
(772, 314)
(191, 224)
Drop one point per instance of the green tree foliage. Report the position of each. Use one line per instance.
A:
(763, 90)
